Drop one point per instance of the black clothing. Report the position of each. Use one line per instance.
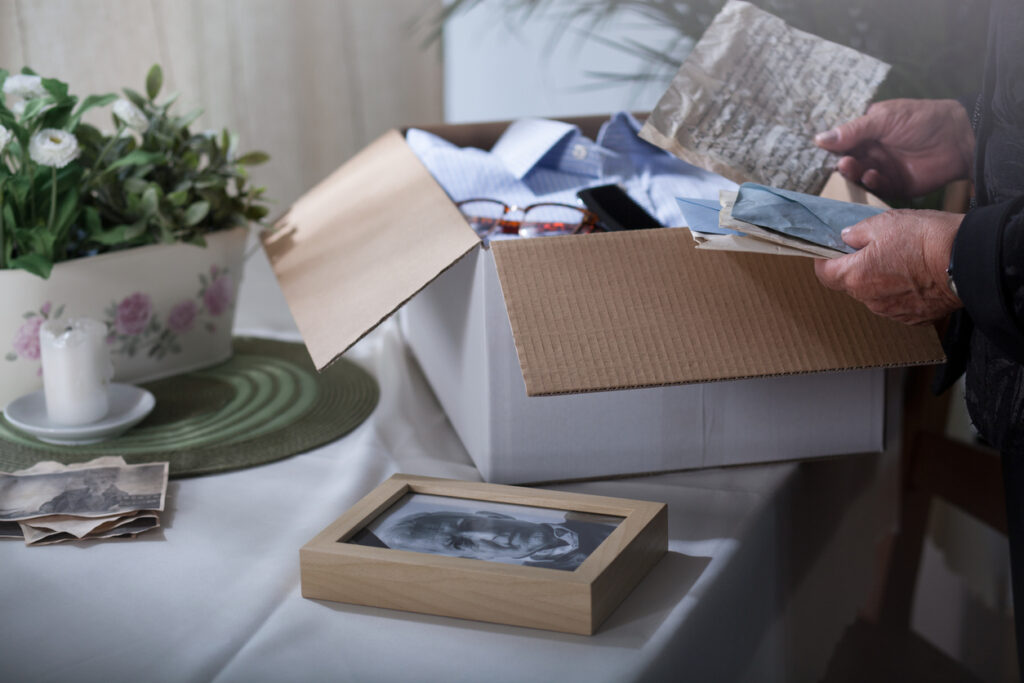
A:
(987, 336)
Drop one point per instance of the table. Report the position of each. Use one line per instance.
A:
(766, 566)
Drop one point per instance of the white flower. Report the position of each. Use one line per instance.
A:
(24, 85)
(53, 147)
(5, 137)
(130, 114)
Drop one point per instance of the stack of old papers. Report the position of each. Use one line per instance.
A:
(747, 103)
(771, 220)
(104, 498)
(753, 92)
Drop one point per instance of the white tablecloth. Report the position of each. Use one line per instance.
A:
(766, 566)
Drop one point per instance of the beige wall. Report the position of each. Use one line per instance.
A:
(309, 81)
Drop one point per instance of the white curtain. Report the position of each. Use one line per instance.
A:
(308, 81)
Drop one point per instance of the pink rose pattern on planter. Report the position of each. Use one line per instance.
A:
(133, 325)
(132, 314)
(26, 339)
(183, 316)
(217, 296)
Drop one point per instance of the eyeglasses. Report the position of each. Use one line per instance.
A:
(488, 217)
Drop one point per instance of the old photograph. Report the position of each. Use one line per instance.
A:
(483, 530)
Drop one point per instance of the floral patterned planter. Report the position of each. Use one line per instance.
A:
(168, 308)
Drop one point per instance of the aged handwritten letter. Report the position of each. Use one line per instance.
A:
(749, 98)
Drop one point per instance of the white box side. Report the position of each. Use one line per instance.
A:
(795, 416)
(443, 326)
(460, 333)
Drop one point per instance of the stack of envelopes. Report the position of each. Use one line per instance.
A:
(772, 220)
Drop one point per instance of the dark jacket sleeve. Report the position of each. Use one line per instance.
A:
(988, 269)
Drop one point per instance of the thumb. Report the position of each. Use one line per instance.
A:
(857, 235)
(849, 135)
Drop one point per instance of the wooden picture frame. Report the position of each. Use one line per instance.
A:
(335, 567)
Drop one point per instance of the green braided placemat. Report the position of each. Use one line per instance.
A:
(266, 403)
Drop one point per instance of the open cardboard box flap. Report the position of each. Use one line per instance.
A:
(357, 246)
(604, 311)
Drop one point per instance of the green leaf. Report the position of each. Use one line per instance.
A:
(33, 263)
(208, 181)
(171, 99)
(139, 157)
(135, 185)
(150, 201)
(119, 234)
(87, 104)
(90, 139)
(178, 198)
(67, 212)
(137, 99)
(196, 213)
(154, 81)
(58, 89)
(185, 121)
(8, 216)
(58, 116)
(256, 212)
(34, 106)
(253, 158)
(92, 220)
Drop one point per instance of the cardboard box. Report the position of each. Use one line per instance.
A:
(714, 358)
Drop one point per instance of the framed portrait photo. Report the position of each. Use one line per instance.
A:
(503, 554)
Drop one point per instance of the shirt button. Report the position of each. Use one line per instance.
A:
(579, 152)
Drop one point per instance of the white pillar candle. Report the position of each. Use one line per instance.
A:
(76, 370)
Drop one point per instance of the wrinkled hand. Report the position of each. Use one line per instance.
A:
(904, 148)
(900, 269)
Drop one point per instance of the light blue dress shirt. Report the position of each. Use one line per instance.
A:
(540, 160)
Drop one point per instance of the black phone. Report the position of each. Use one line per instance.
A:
(615, 209)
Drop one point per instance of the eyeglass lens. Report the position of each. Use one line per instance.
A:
(487, 217)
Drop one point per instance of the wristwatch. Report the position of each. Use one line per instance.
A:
(949, 274)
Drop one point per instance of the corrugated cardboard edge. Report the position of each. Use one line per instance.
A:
(644, 308)
(356, 247)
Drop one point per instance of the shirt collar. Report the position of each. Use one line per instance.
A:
(621, 134)
(526, 141)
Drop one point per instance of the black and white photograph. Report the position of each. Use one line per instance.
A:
(82, 491)
(483, 530)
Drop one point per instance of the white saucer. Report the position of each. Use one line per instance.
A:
(128, 406)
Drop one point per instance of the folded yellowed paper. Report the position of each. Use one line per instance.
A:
(753, 92)
(52, 502)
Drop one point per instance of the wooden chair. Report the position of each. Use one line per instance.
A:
(880, 645)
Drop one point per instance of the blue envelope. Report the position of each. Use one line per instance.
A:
(806, 216)
(702, 216)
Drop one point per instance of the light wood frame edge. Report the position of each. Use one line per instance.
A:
(614, 567)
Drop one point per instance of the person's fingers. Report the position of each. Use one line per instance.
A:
(829, 272)
(859, 234)
(874, 181)
(850, 168)
(848, 135)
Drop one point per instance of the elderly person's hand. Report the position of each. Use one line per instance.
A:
(904, 148)
(900, 269)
